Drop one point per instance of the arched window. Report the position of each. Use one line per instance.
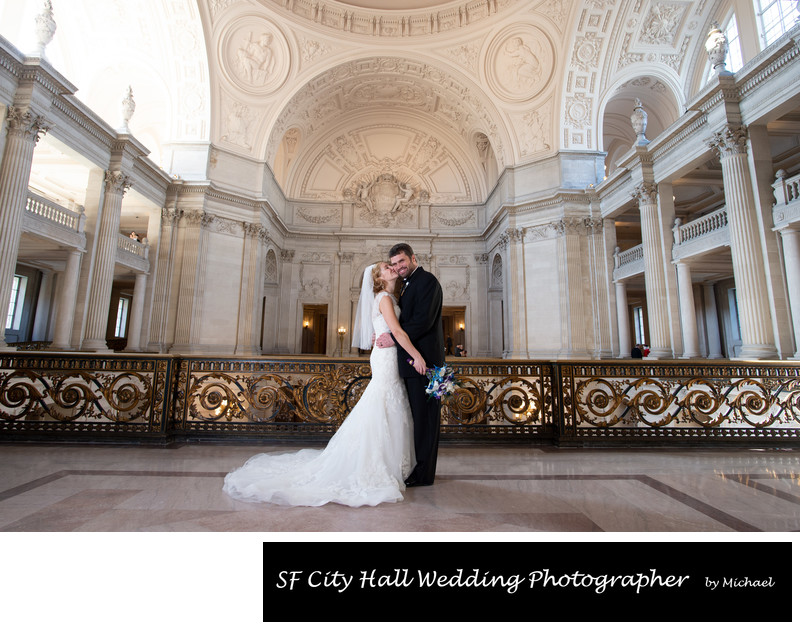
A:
(775, 17)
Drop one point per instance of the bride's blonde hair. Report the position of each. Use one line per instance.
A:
(377, 281)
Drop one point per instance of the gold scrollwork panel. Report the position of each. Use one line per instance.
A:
(605, 401)
(75, 396)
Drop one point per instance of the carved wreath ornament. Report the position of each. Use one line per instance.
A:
(385, 200)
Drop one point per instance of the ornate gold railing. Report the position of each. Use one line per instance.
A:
(674, 400)
(280, 397)
(86, 395)
(156, 397)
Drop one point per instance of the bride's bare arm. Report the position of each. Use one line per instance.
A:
(386, 307)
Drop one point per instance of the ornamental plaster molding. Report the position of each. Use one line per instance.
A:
(237, 120)
(453, 217)
(519, 63)
(387, 201)
(399, 83)
(254, 55)
(390, 24)
(534, 129)
(310, 216)
(662, 23)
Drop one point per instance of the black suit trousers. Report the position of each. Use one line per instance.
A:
(426, 433)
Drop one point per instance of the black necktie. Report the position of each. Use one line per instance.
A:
(405, 286)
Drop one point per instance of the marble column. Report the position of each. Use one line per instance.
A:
(691, 341)
(193, 267)
(758, 341)
(67, 296)
(655, 283)
(251, 290)
(791, 260)
(712, 322)
(116, 184)
(137, 310)
(623, 321)
(162, 283)
(24, 130)
(44, 307)
(516, 318)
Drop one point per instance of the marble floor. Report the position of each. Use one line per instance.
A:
(478, 489)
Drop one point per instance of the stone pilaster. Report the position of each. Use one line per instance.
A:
(24, 131)
(748, 263)
(116, 184)
(251, 290)
(192, 272)
(162, 280)
(515, 316)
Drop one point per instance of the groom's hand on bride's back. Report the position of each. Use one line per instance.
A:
(384, 340)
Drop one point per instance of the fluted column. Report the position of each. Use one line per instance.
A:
(137, 310)
(691, 342)
(251, 291)
(655, 283)
(516, 320)
(712, 322)
(192, 277)
(116, 184)
(758, 341)
(162, 282)
(24, 130)
(623, 322)
(67, 295)
(791, 260)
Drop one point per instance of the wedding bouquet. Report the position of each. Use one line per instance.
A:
(442, 382)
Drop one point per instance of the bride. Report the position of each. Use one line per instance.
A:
(371, 454)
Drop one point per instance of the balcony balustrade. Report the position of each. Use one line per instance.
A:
(140, 398)
(702, 235)
(54, 222)
(787, 197)
(628, 263)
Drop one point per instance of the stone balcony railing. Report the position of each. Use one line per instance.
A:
(628, 263)
(133, 254)
(54, 222)
(701, 235)
(787, 199)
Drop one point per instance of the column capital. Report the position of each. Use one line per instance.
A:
(117, 181)
(732, 140)
(26, 124)
(645, 193)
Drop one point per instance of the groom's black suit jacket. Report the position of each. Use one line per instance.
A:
(421, 318)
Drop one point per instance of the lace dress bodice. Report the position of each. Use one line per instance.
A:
(378, 322)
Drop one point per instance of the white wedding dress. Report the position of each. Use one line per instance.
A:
(364, 463)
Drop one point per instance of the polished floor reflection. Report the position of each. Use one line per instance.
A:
(478, 489)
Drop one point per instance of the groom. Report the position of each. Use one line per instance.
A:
(421, 318)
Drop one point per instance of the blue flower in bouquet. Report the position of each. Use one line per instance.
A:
(442, 382)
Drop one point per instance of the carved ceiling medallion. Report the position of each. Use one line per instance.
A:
(519, 63)
(255, 55)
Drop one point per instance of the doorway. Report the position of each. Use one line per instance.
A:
(315, 329)
(453, 327)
